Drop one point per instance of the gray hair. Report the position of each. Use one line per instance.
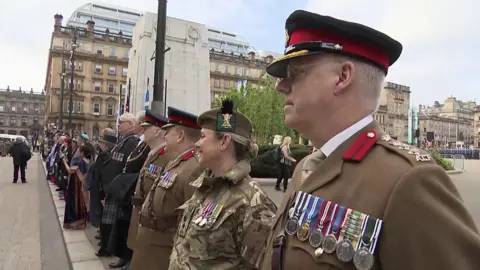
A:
(140, 116)
(109, 131)
(128, 117)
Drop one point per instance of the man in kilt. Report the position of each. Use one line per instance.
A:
(113, 166)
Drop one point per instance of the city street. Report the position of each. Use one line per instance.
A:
(31, 237)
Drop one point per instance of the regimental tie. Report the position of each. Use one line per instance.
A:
(311, 163)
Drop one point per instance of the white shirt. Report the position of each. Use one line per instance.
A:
(341, 137)
(141, 140)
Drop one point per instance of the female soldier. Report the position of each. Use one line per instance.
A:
(227, 221)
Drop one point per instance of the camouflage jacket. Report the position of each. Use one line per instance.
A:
(225, 224)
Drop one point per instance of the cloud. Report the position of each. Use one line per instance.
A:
(439, 39)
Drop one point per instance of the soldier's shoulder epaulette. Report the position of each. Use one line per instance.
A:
(361, 146)
(188, 155)
(411, 154)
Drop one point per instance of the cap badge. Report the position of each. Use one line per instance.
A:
(226, 117)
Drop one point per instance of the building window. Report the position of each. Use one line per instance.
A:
(78, 85)
(226, 84)
(217, 67)
(24, 121)
(227, 69)
(79, 66)
(111, 88)
(110, 109)
(216, 83)
(99, 50)
(98, 86)
(14, 109)
(98, 68)
(96, 108)
(77, 107)
(112, 51)
(124, 72)
(124, 89)
(125, 54)
(111, 71)
(35, 108)
(2, 109)
(12, 120)
(122, 108)
(25, 108)
(1, 121)
(35, 120)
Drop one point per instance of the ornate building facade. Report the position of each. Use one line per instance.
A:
(395, 99)
(100, 72)
(21, 112)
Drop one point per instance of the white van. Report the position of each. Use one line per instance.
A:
(11, 138)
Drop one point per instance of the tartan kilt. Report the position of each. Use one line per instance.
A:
(110, 211)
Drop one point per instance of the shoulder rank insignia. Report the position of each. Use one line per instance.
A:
(361, 146)
(188, 155)
(167, 179)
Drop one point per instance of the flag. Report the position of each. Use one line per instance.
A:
(147, 96)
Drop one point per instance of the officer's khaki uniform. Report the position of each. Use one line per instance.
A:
(154, 240)
(425, 224)
(144, 183)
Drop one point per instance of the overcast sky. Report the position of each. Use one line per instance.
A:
(440, 38)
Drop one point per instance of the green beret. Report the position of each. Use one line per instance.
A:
(226, 119)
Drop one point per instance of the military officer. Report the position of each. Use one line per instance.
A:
(113, 166)
(361, 200)
(154, 138)
(158, 218)
(226, 223)
(122, 189)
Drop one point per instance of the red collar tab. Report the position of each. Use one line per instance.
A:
(339, 43)
(361, 146)
(188, 155)
(162, 150)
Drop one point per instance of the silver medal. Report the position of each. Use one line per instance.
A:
(329, 244)
(345, 251)
(291, 212)
(316, 238)
(363, 259)
(292, 226)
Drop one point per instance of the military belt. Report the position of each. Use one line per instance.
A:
(137, 201)
(158, 224)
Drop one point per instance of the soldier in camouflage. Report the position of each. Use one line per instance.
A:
(227, 221)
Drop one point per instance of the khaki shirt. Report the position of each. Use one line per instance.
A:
(150, 171)
(158, 218)
(425, 224)
(233, 235)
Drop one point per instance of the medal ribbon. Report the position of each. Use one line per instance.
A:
(330, 214)
(378, 228)
(306, 209)
(339, 219)
(207, 209)
(301, 205)
(297, 202)
(318, 220)
(368, 232)
(316, 204)
(357, 230)
(343, 229)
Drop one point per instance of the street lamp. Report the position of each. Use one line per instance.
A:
(62, 89)
(72, 64)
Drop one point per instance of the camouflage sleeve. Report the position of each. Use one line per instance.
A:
(257, 223)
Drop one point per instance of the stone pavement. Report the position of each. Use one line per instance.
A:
(26, 212)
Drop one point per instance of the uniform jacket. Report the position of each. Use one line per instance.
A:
(96, 191)
(234, 237)
(425, 224)
(143, 185)
(170, 190)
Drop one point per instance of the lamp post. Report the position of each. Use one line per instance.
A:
(158, 83)
(62, 89)
(72, 65)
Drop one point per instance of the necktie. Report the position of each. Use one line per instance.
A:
(311, 163)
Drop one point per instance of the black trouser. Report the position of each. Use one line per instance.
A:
(122, 250)
(284, 174)
(22, 172)
(105, 230)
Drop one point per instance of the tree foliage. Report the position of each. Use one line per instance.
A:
(264, 106)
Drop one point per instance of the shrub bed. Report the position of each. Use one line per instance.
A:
(264, 166)
(442, 162)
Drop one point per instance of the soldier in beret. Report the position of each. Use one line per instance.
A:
(156, 160)
(226, 223)
(158, 217)
(361, 200)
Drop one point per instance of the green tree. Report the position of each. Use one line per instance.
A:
(264, 106)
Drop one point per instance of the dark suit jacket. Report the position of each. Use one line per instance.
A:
(115, 162)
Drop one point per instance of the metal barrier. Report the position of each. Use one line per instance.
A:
(459, 162)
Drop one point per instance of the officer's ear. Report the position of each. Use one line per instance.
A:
(226, 139)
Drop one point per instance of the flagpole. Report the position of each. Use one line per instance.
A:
(158, 86)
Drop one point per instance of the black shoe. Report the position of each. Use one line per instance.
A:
(102, 253)
(14, 182)
(118, 264)
(277, 188)
(24, 182)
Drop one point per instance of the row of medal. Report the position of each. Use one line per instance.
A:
(208, 214)
(331, 228)
(117, 156)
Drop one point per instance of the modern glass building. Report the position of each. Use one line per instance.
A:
(114, 18)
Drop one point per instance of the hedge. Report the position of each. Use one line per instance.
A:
(442, 162)
(264, 166)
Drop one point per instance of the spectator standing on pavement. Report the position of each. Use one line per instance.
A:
(285, 164)
(20, 154)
